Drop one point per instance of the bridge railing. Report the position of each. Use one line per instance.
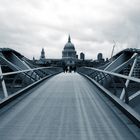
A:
(115, 81)
(13, 82)
(115, 87)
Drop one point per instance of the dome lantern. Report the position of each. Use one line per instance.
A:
(69, 45)
(69, 39)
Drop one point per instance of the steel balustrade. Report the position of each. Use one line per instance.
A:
(105, 77)
(34, 75)
(99, 77)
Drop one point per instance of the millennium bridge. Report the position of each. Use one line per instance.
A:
(44, 103)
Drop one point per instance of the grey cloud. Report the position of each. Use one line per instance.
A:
(30, 25)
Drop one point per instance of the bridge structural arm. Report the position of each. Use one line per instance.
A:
(125, 64)
(127, 81)
(3, 84)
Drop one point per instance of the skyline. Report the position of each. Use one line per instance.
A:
(30, 25)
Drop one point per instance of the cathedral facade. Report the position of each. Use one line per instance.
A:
(69, 53)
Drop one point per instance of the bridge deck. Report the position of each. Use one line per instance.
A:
(66, 107)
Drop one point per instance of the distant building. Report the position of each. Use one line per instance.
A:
(69, 53)
(42, 60)
(33, 59)
(82, 56)
(100, 57)
(42, 54)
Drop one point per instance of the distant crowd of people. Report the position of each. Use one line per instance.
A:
(69, 69)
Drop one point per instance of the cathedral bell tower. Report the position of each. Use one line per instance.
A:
(42, 54)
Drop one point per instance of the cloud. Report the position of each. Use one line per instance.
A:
(29, 25)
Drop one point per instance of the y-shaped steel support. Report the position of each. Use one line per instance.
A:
(126, 98)
(3, 84)
(127, 81)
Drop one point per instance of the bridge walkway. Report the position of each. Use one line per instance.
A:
(65, 107)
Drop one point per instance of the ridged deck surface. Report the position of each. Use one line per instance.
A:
(65, 107)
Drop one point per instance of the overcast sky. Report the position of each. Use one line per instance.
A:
(30, 25)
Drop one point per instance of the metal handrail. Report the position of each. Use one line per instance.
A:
(31, 78)
(125, 94)
(23, 71)
(122, 104)
(115, 74)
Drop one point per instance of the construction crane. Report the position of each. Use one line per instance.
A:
(113, 48)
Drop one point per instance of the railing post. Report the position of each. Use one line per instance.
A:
(127, 81)
(3, 84)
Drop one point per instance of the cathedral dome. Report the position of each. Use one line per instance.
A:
(69, 50)
(69, 45)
